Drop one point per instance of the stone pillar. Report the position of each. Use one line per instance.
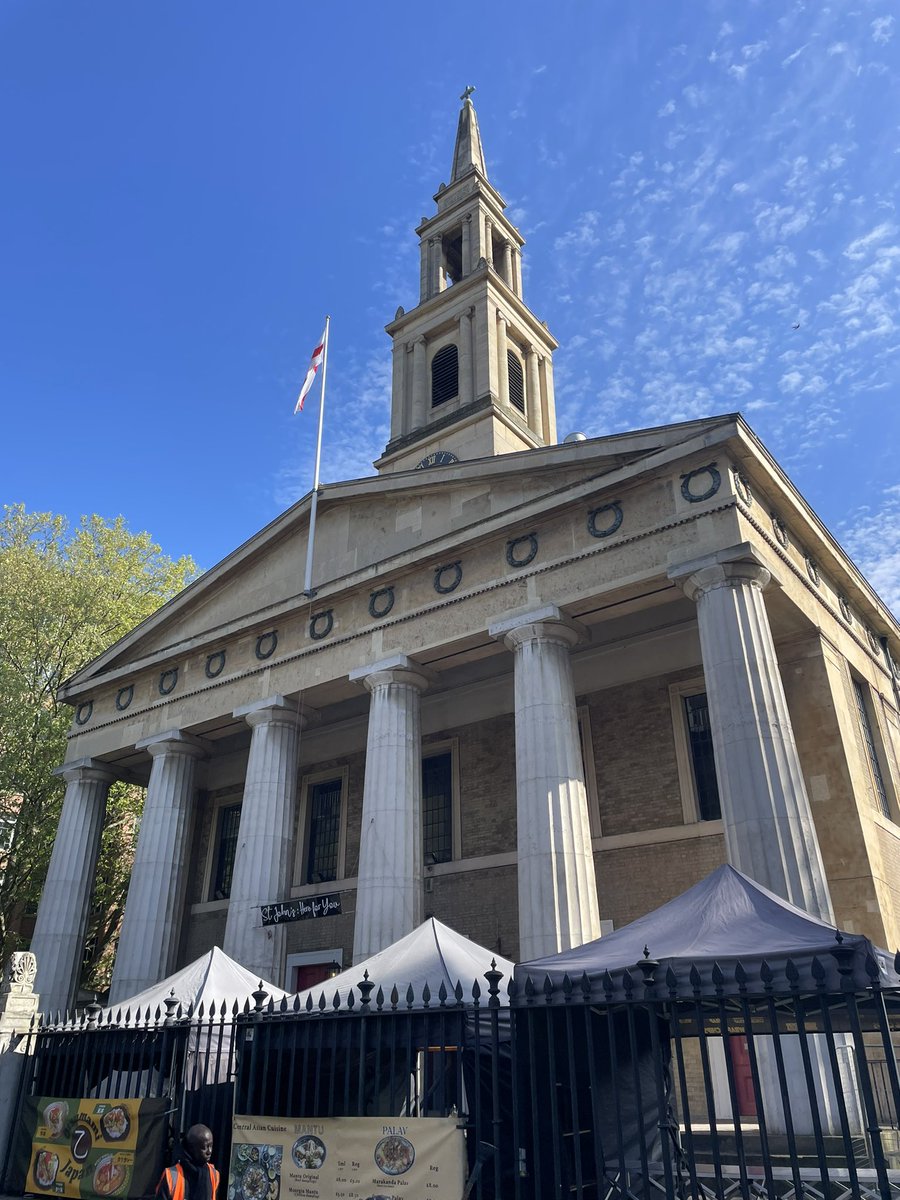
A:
(465, 357)
(467, 245)
(59, 932)
(548, 407)
(420, 390)
(398, 389)
(533, 391)
(424, 277)
(263, 859)
(152, 924)
(517, 270)
(507, 264)
(769, 830)
(558, 906)
(502, 361)
(18, 1005)
(489, 241)
(390, 890)
(437, 261)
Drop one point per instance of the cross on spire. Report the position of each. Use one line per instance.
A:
(467, 93)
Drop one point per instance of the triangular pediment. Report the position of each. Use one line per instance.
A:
(380, 522)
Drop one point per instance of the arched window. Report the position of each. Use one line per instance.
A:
(516, 382)
(445, 375)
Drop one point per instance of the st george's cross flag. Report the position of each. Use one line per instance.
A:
(314, 363)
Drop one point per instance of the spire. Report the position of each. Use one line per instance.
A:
(468, 152)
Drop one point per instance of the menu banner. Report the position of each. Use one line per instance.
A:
(346, 1158)
(94, 1148)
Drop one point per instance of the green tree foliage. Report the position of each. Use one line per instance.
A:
(66, 594)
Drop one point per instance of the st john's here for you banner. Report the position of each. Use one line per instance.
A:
(346, 1158)
(92, 1149)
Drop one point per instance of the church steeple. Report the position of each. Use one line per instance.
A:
(467, 154)
(473, 373)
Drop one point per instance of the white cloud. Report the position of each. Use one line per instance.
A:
(858, 248)
(882, 29)
(786, 62)
(872, 539)
(667, 109)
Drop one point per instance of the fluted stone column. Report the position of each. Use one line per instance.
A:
(467, 245)
(548, 407)
(465, 357)
(389, 893)
(489, 241)
(423, 270)
(59, 931)
(419, 388)
(262, 861)
(437, 261)
(508, 265)
(558, 905)
(770, 834)
(517, 270)
(502, 360)
(398, 388)
(152, 924)
(769, 829)
(533, 390)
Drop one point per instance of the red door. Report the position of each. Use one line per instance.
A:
(743, 1077)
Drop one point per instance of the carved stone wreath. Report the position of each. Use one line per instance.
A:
(84, 712)
(845, 609)
(215, 664)
(742, 487)
(780, 530)
(168, 681)
(605, 520)
(454, 573)
(124, 697)
(812, 569)
(715, 482)
(381, 602)
(266, 644)
(321, 624)
(516, 560)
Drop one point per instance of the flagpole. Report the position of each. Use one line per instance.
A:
(314, 503)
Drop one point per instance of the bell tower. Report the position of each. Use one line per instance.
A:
(472, 364)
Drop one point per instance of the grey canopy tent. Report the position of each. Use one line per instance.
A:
(726, 918)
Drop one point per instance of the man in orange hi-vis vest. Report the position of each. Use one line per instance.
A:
(193, 1177)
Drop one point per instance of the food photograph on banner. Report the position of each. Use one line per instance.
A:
(346, 1158)
(93, 1148)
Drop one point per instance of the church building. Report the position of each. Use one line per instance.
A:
(537, 688)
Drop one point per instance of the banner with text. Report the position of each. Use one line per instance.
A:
(302, 910)
(346, 1158)
(93, 1148)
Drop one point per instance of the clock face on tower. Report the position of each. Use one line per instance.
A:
(437, 458)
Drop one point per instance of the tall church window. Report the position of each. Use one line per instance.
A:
(444, 375)
(865, 723)
(516, 381)
(437, 808)
(324, 836)
(229, 820)
(703, 763)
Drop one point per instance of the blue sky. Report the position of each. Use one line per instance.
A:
(189, 186)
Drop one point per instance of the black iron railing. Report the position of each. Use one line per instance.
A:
(732, 1082)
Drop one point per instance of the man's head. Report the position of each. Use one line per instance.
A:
(198, 1142)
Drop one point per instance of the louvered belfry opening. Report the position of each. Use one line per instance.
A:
(444, 375)
(516, 382)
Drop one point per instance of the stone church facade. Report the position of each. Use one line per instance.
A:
(537, 688)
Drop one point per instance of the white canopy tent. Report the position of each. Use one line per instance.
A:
(210, 979)
(432, 955)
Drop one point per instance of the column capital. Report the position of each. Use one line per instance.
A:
(547, 623)
(734, 566)
(275, 710)
(86, 769)
(396, 669)
(173, 741)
